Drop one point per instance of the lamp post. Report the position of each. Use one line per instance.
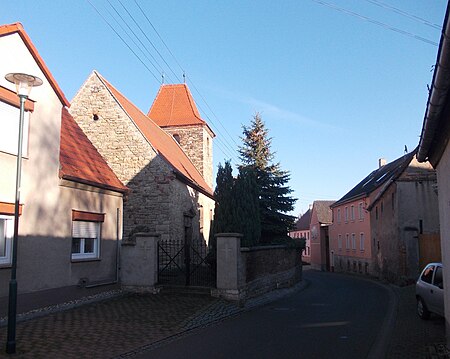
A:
(23, 83)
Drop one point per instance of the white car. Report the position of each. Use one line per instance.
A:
(430, 291)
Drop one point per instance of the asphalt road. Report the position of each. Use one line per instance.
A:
(337, 316)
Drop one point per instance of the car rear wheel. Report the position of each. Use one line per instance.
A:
(422, 310)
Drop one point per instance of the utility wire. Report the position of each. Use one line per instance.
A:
(191, 81)
(121, 38)
(198, 92)
(376, 22)
(159, 70)
(221, 143)
(406, 14)
(157, 33)
(148, 39)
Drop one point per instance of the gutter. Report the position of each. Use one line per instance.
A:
(438, 93)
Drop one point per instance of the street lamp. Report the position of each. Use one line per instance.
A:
(23, 83)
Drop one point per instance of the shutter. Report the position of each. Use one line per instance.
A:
(82, 229)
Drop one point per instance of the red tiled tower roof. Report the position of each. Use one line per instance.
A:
(162, 143)
(174, 106)
(80, 160)
(18, 28)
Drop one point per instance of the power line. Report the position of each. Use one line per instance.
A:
(157, 33)
(191, 81)
(222, 144)
(195, 88)
(376, 22)
(148, 39)
(406, 14)
(134, 42)
(121, 38)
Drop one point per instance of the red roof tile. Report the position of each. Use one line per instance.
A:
(162, 142)
(18, 28)
(80, 160)
(174, 106)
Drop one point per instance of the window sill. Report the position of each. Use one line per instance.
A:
(5, 265)
(79, 260)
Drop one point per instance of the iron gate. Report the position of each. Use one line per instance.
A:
(184, 263)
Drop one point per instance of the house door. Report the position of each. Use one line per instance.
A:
(429, 249)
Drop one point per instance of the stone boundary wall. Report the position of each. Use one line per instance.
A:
(270, 267)
(243, 273)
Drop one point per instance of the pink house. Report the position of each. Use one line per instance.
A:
(350, 248)
(321, 219)
(384, 224)
(302, 231)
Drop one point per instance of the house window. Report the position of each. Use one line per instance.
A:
(339, 242)
(352, 213)
(361, 211)
(6, 234)
(346, 214)
(10, 129)
(353, 241)
(361, 241)
(86, 234)
(339, 215)
(347, 241)
(85, 239)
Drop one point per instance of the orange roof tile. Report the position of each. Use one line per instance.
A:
(174, 106)
(162, 142)
(80, 160)
(18, 28)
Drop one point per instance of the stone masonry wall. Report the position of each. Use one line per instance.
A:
(196, 142)
(150, 178)
(267, 268)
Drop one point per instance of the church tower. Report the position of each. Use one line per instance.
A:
(174, 110)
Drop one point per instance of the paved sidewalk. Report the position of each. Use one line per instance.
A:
(413, 337)
(122, 325)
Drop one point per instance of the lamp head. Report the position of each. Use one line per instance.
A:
(23, 82)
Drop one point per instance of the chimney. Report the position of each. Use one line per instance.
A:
(381, 162)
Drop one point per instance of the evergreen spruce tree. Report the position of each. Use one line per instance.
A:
(274, 194)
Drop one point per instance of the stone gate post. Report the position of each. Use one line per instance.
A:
(139, 262)
(229, 276)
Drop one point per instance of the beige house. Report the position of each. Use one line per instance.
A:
(168, 185)
(434, 147)
(71, 201)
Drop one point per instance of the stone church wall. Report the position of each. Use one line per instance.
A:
(157, 199)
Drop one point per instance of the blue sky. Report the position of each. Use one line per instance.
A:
(336, 90)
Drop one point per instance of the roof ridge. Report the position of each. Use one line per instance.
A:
(377, 178)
